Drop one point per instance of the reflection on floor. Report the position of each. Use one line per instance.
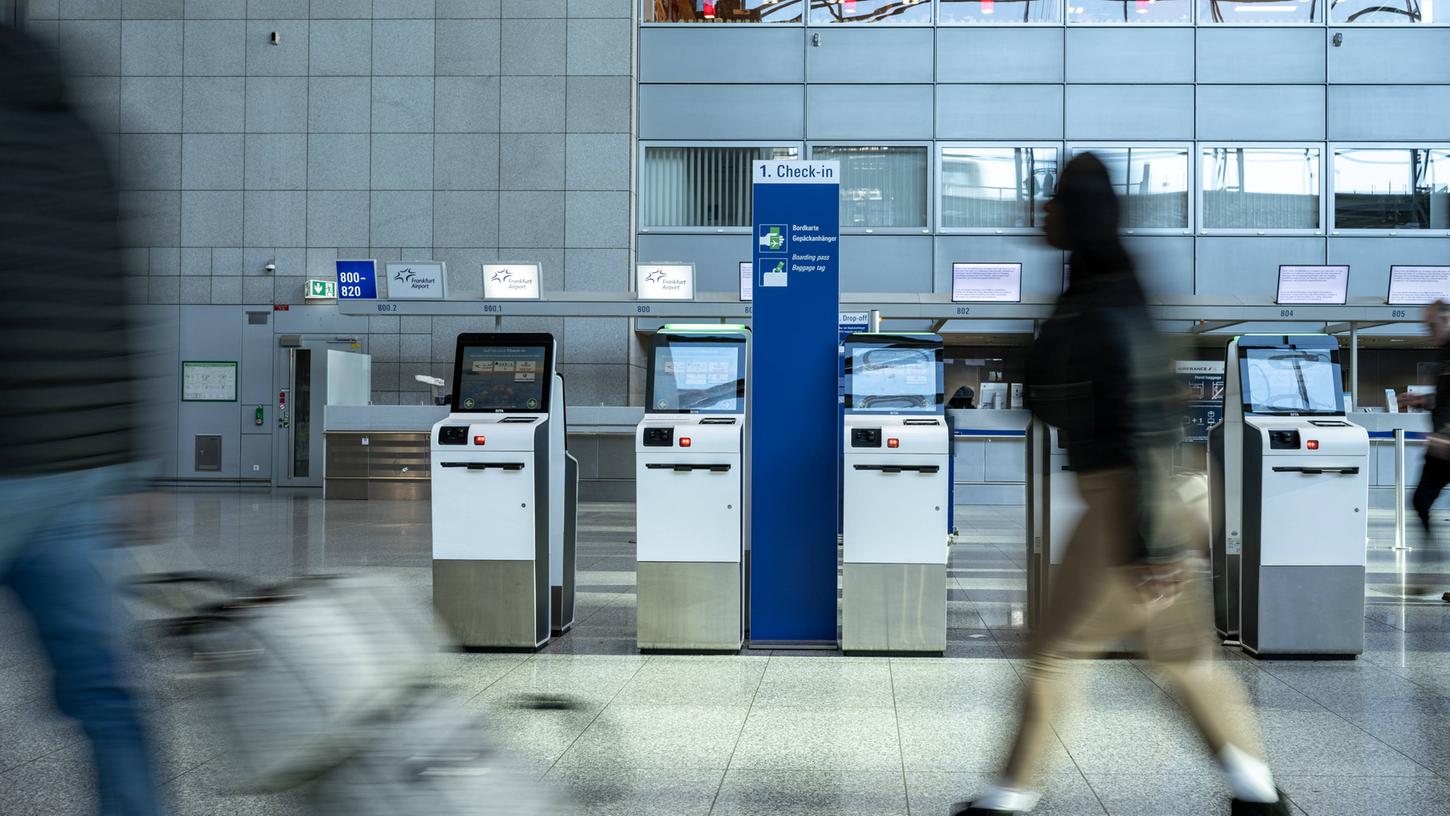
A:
(801, 733)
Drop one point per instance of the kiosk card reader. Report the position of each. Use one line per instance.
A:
(504, 496)
(895, 494)
(693, 484)
(1291, 497)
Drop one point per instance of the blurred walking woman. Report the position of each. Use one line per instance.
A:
(1132, 568)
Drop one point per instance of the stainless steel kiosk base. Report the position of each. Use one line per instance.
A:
(894, 608)
(1280, 619)
(493, 604)
(689, 606)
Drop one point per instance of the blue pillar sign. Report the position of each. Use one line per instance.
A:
(794, 410)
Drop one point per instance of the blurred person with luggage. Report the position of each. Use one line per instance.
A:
(68, 419)
(1133, 567)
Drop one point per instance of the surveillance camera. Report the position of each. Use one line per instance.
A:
(270, 267)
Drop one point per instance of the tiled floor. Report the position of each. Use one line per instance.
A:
(779, 733)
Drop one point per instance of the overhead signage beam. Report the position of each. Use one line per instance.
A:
(892, 307)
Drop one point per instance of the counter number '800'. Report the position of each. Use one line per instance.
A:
(349, 284)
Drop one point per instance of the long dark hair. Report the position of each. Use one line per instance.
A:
(1088, 208)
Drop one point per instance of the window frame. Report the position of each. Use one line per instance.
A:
(645, 22)
(1202, 230)
(1199, 20)
(1397, 24)
(925, 229)
(1191, 22)
(931, 23)
(1062, 21)
(938, 192)
(1332, 158)
(641, 228)
(1074, 147)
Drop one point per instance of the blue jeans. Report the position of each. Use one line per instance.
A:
(52, 529)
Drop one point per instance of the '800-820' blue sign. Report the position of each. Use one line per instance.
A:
(357, 280)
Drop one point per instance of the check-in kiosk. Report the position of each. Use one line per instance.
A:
(895, 493)
(692, 481)
(504, 496)
(1291, 498)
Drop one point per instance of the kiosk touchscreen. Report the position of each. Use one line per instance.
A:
(1291, 498)
(894, 495)
(692, 476)
(504, 496)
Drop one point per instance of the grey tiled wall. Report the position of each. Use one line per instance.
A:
(466, 131)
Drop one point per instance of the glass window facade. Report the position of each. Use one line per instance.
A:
(723, 11)
(1253, 188)
(999, 12)
(887, 12)
(996, 187)
(1088, 12)
(990, 187)
(881, 187)
(701, 186)
(1130, 12)
(1260, 12)
(1391, 188)
(1378, 12)
(1152, 184)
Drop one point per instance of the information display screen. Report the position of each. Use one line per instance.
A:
(500, 379)
(1294, 382)
(698, 377)
(986, 282)
(1306, 285)
(891, 378)
(1418, 285)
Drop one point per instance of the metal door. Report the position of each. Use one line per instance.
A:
(298, 406)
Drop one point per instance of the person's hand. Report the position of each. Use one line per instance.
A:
(1408, 400)
(1157, 583)
(1437, 446)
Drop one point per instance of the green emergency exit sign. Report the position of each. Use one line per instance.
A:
(321, 289)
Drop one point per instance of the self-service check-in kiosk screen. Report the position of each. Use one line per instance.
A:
(893, 378)
(1291, 381)
(699, 377)
(498, 378)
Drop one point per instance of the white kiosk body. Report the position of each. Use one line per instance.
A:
(692, 485)
(895, 494)
(501, 509)
(1291, 481)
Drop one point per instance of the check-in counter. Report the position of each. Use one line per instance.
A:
(378, 451)
(990, 452)
(382, 451)
(1381, 427)
(601, 437)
